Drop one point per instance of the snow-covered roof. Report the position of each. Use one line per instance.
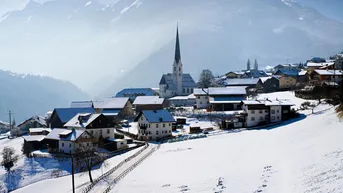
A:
(302, 73)
(241, 81)
(81, 104)
(230, 90)
(268, 102)
(134, 92)
(36, 130)
(111, 103)
(72, 135)
(85, 118)
(148, 100)
(329, 72)
(264, 79)
(322, 64)
(191, 96)
(156, 116)
(65, 114)
(41, 120)
(32, 138)
(111, 112)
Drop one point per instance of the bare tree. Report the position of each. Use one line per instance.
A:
(86, 157)
(206, 79)
(8, 158)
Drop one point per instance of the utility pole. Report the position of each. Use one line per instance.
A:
(72, 172)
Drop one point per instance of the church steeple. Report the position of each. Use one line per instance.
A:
(177, 46)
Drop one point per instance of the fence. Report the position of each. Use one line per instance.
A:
(90, 186)
(123, 174)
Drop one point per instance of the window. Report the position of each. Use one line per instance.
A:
(252, 111)
(141, 117)
(157, 125)
(108, 131)
(149, 125)
(156, 132)
(278, 111)
(260, 111)
(273, 111)
(169, 124)
(266, 111)
(174, 68)
(164, 125)
(198, 97)
(261, 118)
(183, 90)
(273, 118)
(187, 90)
(278, 117)
(87, 144)
(201, 103)
(149, 132)
(69, 144)
(252, 118)
(169, 131)
(62, 144)
(206, 97)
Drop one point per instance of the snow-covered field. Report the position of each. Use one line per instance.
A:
(304, 156)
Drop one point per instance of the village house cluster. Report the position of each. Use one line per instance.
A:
(95, 122)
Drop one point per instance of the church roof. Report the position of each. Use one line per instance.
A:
(177, 47)
(187, 81)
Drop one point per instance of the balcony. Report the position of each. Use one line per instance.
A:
(144, 127)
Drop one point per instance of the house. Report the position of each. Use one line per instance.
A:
(60, 116)
(66, 140)
(270, 84)
(261, 112)
(220, 98)
(81, 104)
(287, 78)
(149, 103)
(132, 93)
(318, 76)
(33, 122)
(237, 74)
(317, 60)
(248, 82)
(176, 83)
(117, 144)
(154, 124)
(287, 67)
(98, 125)
(114, 108)
(183, 101)
(253, 73)
(39, 131)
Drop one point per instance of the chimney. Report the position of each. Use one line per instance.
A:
(80, 120)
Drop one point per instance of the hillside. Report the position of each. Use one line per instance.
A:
(119, 44)
(29, 95)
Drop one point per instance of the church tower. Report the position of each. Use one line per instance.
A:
(177, 66)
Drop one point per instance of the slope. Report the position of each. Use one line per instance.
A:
(29, 95)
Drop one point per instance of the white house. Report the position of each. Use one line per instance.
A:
(68, 140)
(183, 101)
(220, 98)
(119, 143)
(97, 125)
(154, 124)
(259, 112)
(176, 83)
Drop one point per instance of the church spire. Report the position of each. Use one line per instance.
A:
(177, 46)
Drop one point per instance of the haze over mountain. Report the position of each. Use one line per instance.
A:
(129, 43)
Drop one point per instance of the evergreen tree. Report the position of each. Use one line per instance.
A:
(248, 65)
(256, 65)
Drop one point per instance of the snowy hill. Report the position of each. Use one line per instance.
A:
(110, 44)
(300, 156)
(28, 95)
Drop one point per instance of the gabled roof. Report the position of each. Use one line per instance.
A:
(111, 103)
(156, 116)
(133, 92)
(230, 90)
(148, 100)
(187, 81)
(32, 138)
(241, 81)
(35, 130)
(65, 114)
(72, 135)
(81, 104)
(255, 73)
(82, 120)
(288, 72)
(41, 120)
(329, 72)
(322, 64)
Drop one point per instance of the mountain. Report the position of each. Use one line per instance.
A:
(130, 43)
(329, 8)
(29, 95)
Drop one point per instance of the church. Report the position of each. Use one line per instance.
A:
(176, 83)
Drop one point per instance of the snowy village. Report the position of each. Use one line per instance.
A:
(141, 137)
(251, 127)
